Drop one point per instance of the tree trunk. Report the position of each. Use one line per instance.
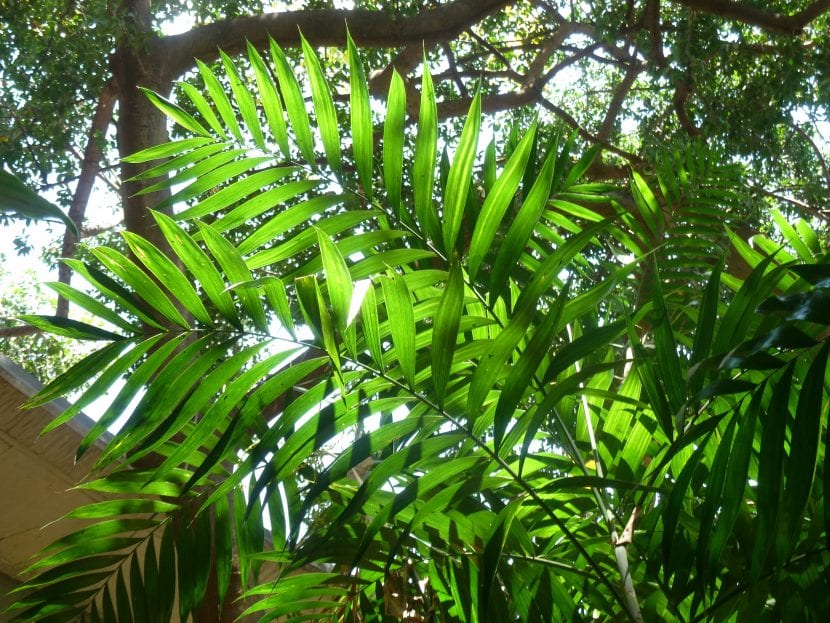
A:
(136, 63)
(140, 125)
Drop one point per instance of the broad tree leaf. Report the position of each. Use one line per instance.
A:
(402, 322)
(19, 200)
(175, 112)
(270, 100)
(338, 279)
(69, 328)
(244, 101)
(217, 94)
(804, 444)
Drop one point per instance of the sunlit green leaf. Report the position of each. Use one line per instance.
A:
(460, 175)
(361, 117)
(323, 106)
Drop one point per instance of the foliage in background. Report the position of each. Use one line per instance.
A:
(457, 387)
(41, 354)
(19, 201)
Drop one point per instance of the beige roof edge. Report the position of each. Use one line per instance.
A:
(28, 385)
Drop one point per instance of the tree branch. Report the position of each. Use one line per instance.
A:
(21, 331)
(68, 180)
(90, 166)
(615, 106)
(682, 89)
(453, 69)
(404, 63)
(495, 52)
(588, 136)
(489, 104)
(323, 27)
(651, 21)
(537, 66)
(754, 16)
(100, 174)
(575, 57)
(819, 156)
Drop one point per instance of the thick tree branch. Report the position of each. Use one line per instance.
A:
(136, 63)
(825, 169)
(651, 22)
(90, 168)
(754, 16)
(682, 90)
(634, 159)
(453, 69)
(404, 63)
(21, 331)
(324, 27)
(615, 106)
(537, 66)
(489, 104)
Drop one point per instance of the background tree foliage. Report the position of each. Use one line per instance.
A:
(635, 77)
(540, 377)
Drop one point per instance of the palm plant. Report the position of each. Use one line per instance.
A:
(359, 390)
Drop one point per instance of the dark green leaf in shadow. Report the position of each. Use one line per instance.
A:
(491, 556)
(67, 327)
(138, 594)
(813, 306)
(736, 483)
(445, 330)
(800, 468)
(19, 200)
(815, 274)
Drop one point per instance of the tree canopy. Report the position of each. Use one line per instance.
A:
(383, 357)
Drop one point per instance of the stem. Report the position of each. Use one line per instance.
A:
(620, 550)
(529, 490)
